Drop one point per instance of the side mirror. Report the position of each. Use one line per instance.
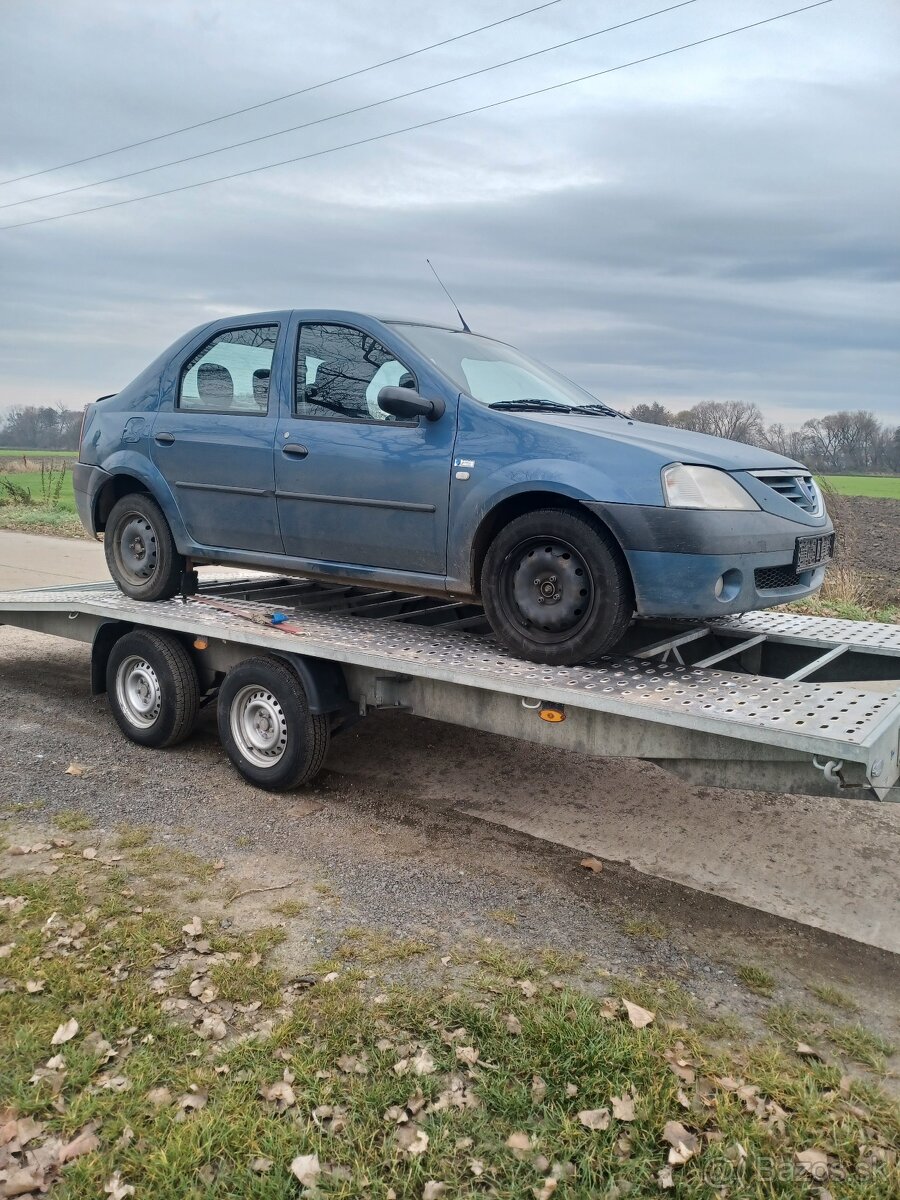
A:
(404, 402)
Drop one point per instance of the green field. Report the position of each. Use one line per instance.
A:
(37, 455)
(884, 486)
(32, 480)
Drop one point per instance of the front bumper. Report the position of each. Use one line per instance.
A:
(87, 481)
(691, 563)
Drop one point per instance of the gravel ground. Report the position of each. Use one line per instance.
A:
(386, 857)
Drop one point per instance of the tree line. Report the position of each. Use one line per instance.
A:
(841, 441)
(38, 427)
(838, 442)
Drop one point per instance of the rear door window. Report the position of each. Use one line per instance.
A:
(231, 373)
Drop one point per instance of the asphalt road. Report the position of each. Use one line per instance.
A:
(826, 863)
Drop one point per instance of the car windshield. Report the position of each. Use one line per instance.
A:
(496, 374)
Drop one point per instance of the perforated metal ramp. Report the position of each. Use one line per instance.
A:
(655, 684)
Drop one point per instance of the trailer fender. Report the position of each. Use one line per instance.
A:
(323, 682)
(105, 638)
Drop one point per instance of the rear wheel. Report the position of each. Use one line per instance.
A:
(555, 588)
(140, 550)
(152, 686)
(266, 727)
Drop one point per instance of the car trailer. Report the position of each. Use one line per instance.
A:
(766, 701)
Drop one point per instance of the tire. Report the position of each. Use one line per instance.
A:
(140, 550)
(556, 588)
(266, 727)
(153, 691)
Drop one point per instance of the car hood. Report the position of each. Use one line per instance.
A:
(667, 443)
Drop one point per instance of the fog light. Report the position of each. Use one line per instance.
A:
(728, 585)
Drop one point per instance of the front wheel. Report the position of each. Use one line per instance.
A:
(140, 550)
(555, 588)
(266, 727)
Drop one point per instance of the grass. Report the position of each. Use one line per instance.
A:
(756, 979)
(64, 500)
(36, 455)
(828, 994)
(884, 486)
(349, 1050)
(72, 821)
(56, 522)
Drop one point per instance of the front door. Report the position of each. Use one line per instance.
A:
(213, 437)
(355, 484)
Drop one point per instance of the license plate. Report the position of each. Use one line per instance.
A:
(813, 552)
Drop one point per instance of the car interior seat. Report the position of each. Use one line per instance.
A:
(215, 386)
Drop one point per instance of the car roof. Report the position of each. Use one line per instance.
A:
(333, 314)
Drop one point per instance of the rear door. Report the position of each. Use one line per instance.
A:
(213, 440)
(355, 484)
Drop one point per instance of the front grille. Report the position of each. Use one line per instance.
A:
(797, 486)
(770, 579)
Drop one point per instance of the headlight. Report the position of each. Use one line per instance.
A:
(704, 487)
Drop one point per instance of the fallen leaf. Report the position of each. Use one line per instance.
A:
(623, 1107)
(528, 989)
(610, 1007)
(116, 1189)
(665, 1178)
(538, 1089)
(191, 1102)
(262, 1166)
(594, 1118)
(212, 1029)
(194, 927)
(467, 1054)
(571, 1089)
(22, 1180)
(519, 1143)
(65, 1033)
(423, 1064)
(25, 1129)
(639, 1017)
(412, 1139)
(89, 852)
(305, 1167)
(433, 1190)
(114, 1083)
(85, 1142)
(808, 1052)
(592, 864)
(814, 1162)
(77, 768)
(684, 1143)
(7, 949)
(513, 1024)
(281, 1094)
(159, 1096)
(546, 1190)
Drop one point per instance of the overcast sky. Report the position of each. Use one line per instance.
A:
(722, 223)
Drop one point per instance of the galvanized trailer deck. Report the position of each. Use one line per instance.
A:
(771, 700)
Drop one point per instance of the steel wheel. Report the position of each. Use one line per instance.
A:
(547, 588)
(259, 726)
(138, 691)
(138, 548)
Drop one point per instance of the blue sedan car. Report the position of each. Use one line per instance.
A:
(393, 453)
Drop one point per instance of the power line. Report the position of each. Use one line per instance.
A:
(348, 112)
(75, 162)
(553, 87)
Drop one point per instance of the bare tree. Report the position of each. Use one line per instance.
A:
(653, 414)
(739, 420)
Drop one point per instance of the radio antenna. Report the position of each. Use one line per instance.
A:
(462, 319)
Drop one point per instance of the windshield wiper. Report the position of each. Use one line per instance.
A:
(598, 410)
(527, 405)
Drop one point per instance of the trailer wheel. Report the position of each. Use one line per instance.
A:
(153, 690)
(266, 727)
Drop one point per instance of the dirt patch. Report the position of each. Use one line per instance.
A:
(869, 541)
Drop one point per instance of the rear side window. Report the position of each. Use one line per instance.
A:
(231, 373)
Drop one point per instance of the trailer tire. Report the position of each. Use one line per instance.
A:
(140, 551)
(266, 726)
(556, 588)
(153, 689)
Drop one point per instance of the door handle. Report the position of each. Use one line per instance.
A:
(295, 450)
(164, 439)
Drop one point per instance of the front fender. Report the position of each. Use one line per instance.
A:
(138, 466)
(474, 499)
